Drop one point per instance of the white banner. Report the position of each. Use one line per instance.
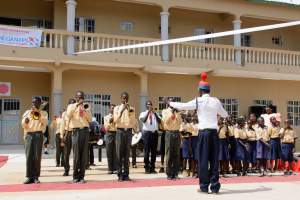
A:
(22, 37)
(5, 89)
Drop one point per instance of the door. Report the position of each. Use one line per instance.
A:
(10, 126)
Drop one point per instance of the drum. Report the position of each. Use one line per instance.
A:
(136, 138)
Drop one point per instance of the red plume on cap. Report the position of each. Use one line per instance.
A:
(203, 84)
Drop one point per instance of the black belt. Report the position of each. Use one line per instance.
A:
(39, 132)
(176, 131)
(125, 129)
(76, 129)
(149, 131)
(208, 129)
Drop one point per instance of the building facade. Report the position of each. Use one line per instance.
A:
(244, 70)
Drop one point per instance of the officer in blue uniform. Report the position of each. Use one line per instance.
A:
(208, 109)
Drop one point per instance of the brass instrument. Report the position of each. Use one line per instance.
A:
(35, 115)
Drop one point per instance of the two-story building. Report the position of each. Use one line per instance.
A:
(244, 70)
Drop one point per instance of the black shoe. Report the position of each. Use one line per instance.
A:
(57, 165)
(134, 166)
(162, 170)
(37, 181)
(175, 177)
(46, 152)
(126, 178)
(215, 192)
(170, 178)
(120, 179)
(153, 172)
(110, 172)
(28, 181)
(147, 171)
(62, 165)
(66, 174)
(290, 172)
(75, 180)
(202, 191)
(82, 181)
(92, 164)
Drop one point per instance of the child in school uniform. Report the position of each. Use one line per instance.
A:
(274, 133)
(223, 149)
(288, 140)
(241, 153)
(262, 146)
(232, 143)
(194, 144)
(185, 131)
(251, 141)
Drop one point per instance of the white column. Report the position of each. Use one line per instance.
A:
(71, 5)
(237, 41)
(56, 92)
(164, 24)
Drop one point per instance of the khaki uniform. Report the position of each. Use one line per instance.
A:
(79, 120)
(59, 124)
(34, 142)
(223, 132)
(288, 136)
(110, 142)
(171, 122)
(124, 122)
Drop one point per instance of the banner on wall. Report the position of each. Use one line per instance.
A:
(23, 37)
(5, 89)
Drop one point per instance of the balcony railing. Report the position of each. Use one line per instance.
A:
(189, 51)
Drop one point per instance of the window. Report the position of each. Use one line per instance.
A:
(293, 112)
(202, 31)
(246, 40)
(277, 40)
(126, 26)
(99, 105)
(36, 23)
(261, 102)
(161, 102)
(86, 25)
(11, 105)
(231, 106)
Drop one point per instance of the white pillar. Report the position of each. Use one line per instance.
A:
(71, 5)
(164, 24)
(56, 92)
(237, 41)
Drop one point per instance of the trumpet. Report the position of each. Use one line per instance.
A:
(85, 105)
(35, 115)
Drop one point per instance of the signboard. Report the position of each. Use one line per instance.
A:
(22, 37)
(5, 89)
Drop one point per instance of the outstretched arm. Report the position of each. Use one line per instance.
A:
(191, 105)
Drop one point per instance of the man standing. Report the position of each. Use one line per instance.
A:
(58, 124)
(208, 108)
(67, 139)
(79, 116)
(34, 121)
(124, 119)
(151, 121)
(171, 121)
(110, 140)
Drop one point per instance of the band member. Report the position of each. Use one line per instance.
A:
(186, 132)
(94, 137)
(150, 120)
(171, 121)
(262, 146)
(274, 133)
(135, 130)
(34, 122)
(208, 108)
(288, 139)
(224, 144)
(79, 116)
(232, 143)
(58, 123)
(194, 144)
(124, 118)
(251, 142)
(111, 140)
(67, 139)
(241, 154)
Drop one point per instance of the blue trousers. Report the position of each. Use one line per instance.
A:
(208, 160)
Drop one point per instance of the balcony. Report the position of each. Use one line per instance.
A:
(184, 57)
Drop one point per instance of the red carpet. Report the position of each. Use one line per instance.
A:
(3, 160)
(136, 183)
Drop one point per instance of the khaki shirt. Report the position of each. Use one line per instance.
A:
(127, 120)
(186, 128)
(274, 132)
(109, 126)
(262, 133)
(289, 136)
(35, 125)
(77, 121)
(59, 125)
(251, 134)
(194, 129)
(240, 133)
(230, 131)
(223, 132)
(171, 122)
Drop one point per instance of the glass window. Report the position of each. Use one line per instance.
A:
(293, 112)
(231, 106)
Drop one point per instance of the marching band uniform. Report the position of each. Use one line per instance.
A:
(67, 139)
(79, 119)
(59, 141)
(124, 123)
(33, 143)
(110, 143)
(208, 147)
(150, 138)
(171, 122)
